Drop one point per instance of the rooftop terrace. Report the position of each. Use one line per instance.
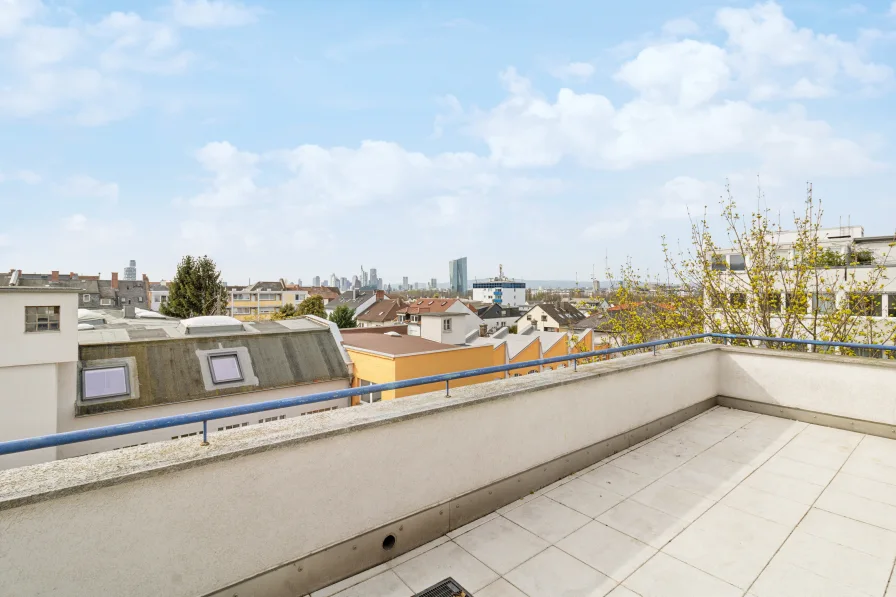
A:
(700, 470)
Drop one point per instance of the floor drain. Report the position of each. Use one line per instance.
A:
(446, 588)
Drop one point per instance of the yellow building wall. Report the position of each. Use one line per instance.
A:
(421, 365)
(373, 368)
(558, 349)
(530, 353)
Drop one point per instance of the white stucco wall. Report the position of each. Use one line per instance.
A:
(20, 348)
(853, 387)
(197, 529)
(27, 409)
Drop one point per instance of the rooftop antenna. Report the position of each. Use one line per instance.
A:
(501, 271)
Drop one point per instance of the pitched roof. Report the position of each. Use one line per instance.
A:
(394, 345)
(562, 313)
(496, 311)
(350, 300)
(382, 311)
(431, 305)
(266, 286)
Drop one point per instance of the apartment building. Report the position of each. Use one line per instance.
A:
(381, 313)
(447, 320)
(62, 369)
(358, 301)
(93, 293)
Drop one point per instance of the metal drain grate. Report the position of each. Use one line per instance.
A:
(446, 588)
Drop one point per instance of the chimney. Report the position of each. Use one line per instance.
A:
(54, 275)
(379, 295)
(483, 330)
(354, 293)
(115, 280)
(130, 312)
(72, 276)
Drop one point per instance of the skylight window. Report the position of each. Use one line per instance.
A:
(106, 382)
(225, 368)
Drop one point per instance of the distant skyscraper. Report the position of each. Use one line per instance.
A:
(457, 275)
(404, 283)
(299, 282)
(130, 272)
(374, 280)
(434, 284)
(344, 284)
(334, 281)
(315, 281)
(363, 277)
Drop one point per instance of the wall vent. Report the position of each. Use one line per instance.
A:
(447, 588)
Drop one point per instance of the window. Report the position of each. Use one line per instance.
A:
(826, 302)
(85, 298)
(139, 299)
(891, 310)
(241, 310)
(544, 317)
(772, 302)
(528, 318)
(269, 419)
(415, 318)
(105, 302)
(866, 305)
(41, 319)
(797, 302)
(105, 382)
(738, 300)
(225, 368)
(737, 263)
(718, 263)
(446, 324)
(368, 398)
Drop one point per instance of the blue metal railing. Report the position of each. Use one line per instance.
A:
(71, 437)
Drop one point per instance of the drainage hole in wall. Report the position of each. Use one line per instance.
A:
(389, 542)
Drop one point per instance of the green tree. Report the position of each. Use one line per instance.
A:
(196, 289)
(313, 305)
(287, 311)
(344, 317)
(512, 329)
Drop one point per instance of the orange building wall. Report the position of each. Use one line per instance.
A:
(558, 349)
(530, 353)
(372, 368)
(421, 365)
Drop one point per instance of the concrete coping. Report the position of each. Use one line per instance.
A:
(49, 480)
(41, 289)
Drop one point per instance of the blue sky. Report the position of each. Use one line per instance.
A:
(288, 139)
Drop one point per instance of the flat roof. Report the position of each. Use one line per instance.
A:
(395, 345)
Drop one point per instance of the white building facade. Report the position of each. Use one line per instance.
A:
(508, 293)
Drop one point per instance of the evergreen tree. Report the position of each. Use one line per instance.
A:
(344, 317)
(196, 289)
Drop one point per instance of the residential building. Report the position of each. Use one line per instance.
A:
(158, 295)
(441, 320)
(130, 272)
(133, 293)
(500, 290)
(850, 255)
(94, 293)
(383, 312)
(327, 293)
(551, 317)
(258, 301)
(383, 357)
(62, 369)
(457, 275)
(356, 300)
(497, 316)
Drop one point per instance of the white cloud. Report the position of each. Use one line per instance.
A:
(681, 27)
(5, 241)
(25, 176)
(680, 197)
(768, 50)
(233, 172)
(607, 229)
(39, 46)
(574, 70)
(14, 14)
(687, 72)
(208, 14)
(84, 186)
(893, 8)
(854, 9)
(75, 223)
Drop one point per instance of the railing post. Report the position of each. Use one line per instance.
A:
(447, 391)
(654, 350)
(204, 433)
(575, 364)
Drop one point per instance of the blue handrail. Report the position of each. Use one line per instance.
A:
(71, 437)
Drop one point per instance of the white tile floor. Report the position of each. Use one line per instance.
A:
(728, 503)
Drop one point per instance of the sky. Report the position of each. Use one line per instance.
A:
(555, 137)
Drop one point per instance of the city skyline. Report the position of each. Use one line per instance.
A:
(251, 132)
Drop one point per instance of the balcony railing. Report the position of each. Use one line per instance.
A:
(71, 437)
